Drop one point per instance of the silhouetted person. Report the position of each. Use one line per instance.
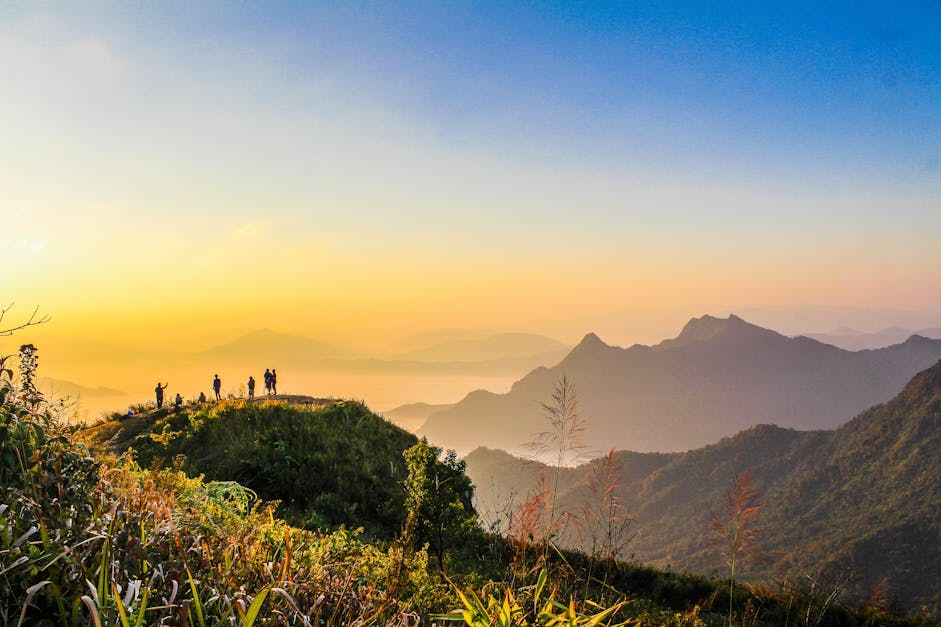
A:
(159, 392)
(274, 381)
(202, 397)
(177, 403)
(217, 387)
(251, 387)
(267, 381)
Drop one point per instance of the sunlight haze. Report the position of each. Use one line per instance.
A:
(174, 176)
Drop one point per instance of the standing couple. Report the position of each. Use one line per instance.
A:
(271, 381)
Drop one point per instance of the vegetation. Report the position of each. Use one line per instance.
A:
(91, 537)
(328, 466)
(438, 500)
(856, 510)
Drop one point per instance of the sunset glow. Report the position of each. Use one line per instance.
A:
(173, 176)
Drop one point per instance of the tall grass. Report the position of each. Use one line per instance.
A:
(107, 542)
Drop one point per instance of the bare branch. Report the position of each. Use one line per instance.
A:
(34, 319)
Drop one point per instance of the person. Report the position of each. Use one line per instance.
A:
(217, 387)
(274, 381)
(268, 381)
(202, 397)
(177, 403)
(159, 392)
(251, 387)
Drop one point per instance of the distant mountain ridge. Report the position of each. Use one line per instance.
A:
(853, 340)
(278, 348)
(864, 498)
(60, 388)
(717, 377)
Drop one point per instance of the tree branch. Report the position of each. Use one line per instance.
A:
(31, 322)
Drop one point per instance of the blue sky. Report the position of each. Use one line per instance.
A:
(697, 156)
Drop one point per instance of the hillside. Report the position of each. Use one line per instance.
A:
(329, 463)
(717, 377)
(143, 539)
(863, 499)
(411, 416)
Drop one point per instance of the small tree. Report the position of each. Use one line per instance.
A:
(438, 499)
(605, 518)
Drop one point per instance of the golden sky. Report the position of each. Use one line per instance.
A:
(178, 175)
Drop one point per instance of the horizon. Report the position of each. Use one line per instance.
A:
(173, 177)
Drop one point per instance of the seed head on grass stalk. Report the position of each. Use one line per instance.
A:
(564, 440)
(737, 527)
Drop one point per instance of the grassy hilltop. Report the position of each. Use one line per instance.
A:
(328, 463)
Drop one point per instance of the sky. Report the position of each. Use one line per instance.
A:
(179, 173)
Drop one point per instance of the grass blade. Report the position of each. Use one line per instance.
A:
(196, 602)
(249, 619)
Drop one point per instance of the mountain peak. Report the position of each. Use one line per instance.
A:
(709, 327)
(706, 327)
(591, 341)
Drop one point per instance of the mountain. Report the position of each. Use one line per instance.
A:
(413, 415)
(853, 340)
(60, 388)
(270, 347)
(717, 377)
(864, 499)
(498, 346)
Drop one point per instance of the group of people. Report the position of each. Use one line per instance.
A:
(271, 388)
(271, 383)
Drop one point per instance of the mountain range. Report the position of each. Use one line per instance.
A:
(853, 340)
(717, 377)
(861, 503)
(499, 353)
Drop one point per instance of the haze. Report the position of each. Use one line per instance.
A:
(174, 176)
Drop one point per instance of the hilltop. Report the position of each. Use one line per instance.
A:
(328, 462)
(717, 377)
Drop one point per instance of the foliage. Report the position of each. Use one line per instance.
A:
(437, 499)
(328, 466)
(537, 605)
(105, 541)
(108, 541)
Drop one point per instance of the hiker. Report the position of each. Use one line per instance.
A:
(202, 397)
(177, 403)
(251, 387)
(159, 392)
(268, 381)
(217, 387)
(274, 381)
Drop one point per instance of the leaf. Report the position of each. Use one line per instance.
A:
(249, 619)
(122, 615)
(196, 601)
(92, 610)
(143, 608)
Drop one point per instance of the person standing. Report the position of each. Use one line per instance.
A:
(217, 387)
(274, 381)
(159, 392)
(251, 387)
(268, 381)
